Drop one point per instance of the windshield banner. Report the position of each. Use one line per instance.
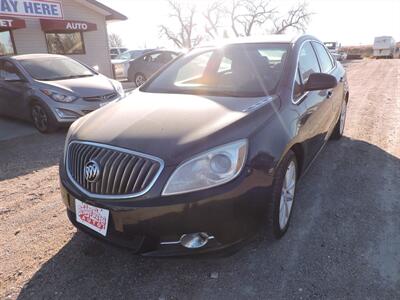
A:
(32, 8)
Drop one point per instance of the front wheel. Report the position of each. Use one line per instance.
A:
(339, 128)
(43, 119)
(283, 195)
(139, 79)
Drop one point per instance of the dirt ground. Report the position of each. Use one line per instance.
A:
(344, 240)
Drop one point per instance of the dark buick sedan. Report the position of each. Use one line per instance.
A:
(210, 150)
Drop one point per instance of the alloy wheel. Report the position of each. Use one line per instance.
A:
(139, 80)
(287, 195)
(39, 116)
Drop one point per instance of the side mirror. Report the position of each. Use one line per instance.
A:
(320, 81)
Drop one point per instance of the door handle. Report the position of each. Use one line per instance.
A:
(329, 94)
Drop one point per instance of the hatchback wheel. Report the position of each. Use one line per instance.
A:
(283, 196)
(42, 119)
(139, 79)
(339, 128)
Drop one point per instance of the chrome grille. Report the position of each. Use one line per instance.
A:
(123, 173)
(107, 97)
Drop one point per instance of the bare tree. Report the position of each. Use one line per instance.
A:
(185, 36)
(297, 17)
(213, 16)
(115, 41)
(242, 16)
(246, 14)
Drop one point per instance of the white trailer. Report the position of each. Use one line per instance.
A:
(384, 47)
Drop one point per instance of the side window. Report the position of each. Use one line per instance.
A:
(308, 62)
(9, 72)
(152, 57)
(324, 58)
(164, 58)
(225, 65)
(298, 88)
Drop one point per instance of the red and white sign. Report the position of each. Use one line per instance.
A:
(93, 217)
(11, 23)
(66, 25)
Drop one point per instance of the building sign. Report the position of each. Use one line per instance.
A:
(66, 25)
(32, 8)
(7, 23)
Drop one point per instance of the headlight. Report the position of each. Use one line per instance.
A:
(118, 87)
(59, 97)
(209, 169)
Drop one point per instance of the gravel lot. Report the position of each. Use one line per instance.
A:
(344, 240)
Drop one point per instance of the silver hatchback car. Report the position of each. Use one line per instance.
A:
(52, 90)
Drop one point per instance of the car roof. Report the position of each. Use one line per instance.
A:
(35, 56)
(271, 38)
(160, 50)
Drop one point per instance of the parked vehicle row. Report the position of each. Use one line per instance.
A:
(141, 68)
(208, 150)
(52, 90)
(121, 62)
(138, 65)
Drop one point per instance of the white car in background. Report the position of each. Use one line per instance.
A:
(121, 62)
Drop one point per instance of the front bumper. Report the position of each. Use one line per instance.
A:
(231, 213)
(70, 112)
(121, 71)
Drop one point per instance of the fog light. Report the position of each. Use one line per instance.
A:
(195, 240)
(65, 113)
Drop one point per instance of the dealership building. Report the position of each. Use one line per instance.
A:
(76, 28)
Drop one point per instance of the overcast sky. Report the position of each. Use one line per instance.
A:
(351, 22)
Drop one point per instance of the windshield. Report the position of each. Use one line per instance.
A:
(130, 55)
(55, 68)
(241, 70)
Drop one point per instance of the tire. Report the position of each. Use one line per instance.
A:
(139, 79)
(339, 127)
(42, 118)
(279, 205)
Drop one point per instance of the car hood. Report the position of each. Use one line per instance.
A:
(171, 126)
(96, 85)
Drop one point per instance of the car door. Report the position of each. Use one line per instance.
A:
(152, 63)
(335, 95)
(13, 89)
(314, 107)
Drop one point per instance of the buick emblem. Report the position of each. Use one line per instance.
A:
(92, 171)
